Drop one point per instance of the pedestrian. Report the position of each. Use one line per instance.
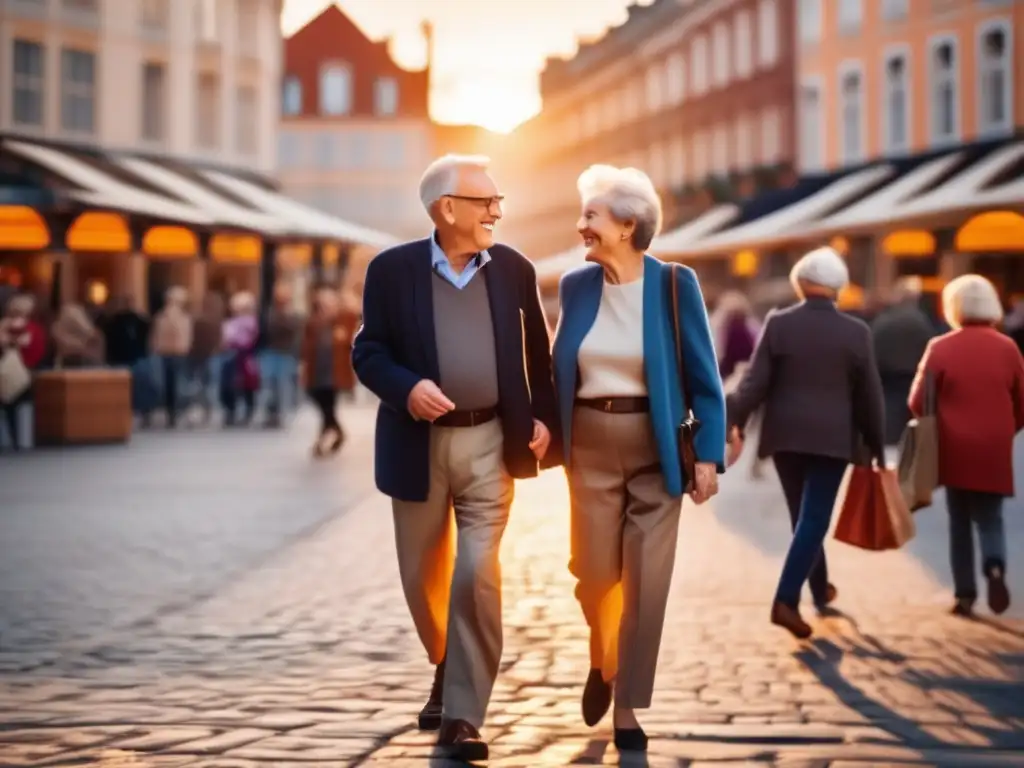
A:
(170, 342)
(325, 358)
(206, 346)
(284, 335)
(240, 377)
(976, 376)
(455, 344)
(621, 401)
(900, 333)
(814, 374)
(24, 339)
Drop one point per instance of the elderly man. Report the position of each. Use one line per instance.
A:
(455, 344)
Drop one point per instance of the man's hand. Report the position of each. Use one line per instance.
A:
(427, 401)
(705, 484)
(541, 439)
(734, 447)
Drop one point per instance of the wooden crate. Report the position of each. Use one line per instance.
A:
(92, 405)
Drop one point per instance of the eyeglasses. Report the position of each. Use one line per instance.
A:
(488, 202)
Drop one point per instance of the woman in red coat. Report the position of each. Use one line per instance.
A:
(978, 378)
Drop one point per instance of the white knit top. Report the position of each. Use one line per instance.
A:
(611, 357)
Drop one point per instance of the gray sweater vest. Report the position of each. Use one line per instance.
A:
(465, 343)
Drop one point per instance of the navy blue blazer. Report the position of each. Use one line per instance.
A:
(395, 348)
(580, 297)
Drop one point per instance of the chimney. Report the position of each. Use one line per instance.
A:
(428, 37)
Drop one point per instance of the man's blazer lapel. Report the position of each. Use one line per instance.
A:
(423, 305)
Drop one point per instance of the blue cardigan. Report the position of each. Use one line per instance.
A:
(580, 297)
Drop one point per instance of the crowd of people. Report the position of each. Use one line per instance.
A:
(187, 364)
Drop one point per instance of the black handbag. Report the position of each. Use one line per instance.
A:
(690, 424)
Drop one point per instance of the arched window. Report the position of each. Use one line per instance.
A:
(335, 90)
(945, 99)
(291, 98)
(995, 90)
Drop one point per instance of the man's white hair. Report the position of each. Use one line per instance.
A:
(823, 267)
(971, 299)
(442, 176)
(629, 195)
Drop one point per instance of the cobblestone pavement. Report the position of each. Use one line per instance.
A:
(310, 657)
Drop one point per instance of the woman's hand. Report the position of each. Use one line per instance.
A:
(705, 484)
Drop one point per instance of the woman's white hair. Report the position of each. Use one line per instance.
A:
(442, 176)
(629, 195)
(177, 295)
(971, 299)
(823, 267)
(242, 302)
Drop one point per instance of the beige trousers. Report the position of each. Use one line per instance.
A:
(449, 562)
(623, 528)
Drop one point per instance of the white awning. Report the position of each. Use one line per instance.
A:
(878, 208)
(297, 216)
(224, 211)
(770, 226)
(689, 234)
(104, 191)
(967, 190)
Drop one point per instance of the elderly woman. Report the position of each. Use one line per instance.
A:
(621, 403)
(814, 375)
(975, 376)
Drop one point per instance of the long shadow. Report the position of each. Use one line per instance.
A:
(823, 657)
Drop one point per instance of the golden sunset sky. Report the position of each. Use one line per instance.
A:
(487, 52)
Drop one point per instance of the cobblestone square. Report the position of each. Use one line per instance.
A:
(219, 600)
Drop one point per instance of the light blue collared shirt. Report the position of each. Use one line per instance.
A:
(443, 267)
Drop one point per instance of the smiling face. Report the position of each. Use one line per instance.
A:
(470, 213)
(602, 234)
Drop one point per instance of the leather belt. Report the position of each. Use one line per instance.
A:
(466, 418)
(616, 404)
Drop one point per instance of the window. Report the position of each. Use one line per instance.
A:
(207, 21)
(743, 43)
(677, 162)
(743, 148)
(77, 90)
(154, 100)
(811, 134)
(324, 153)
(29, 59)
(700, 156)
(247, 121)
(767, 32)
(249, 28)
(208, 111)
(291, 98)
(720, 46)
(943, 90)
(894, 10)
(851, 16)
(385, 96)
(335, 90)
(699, 65)
(675, 78)
(809, 21)
(155, 15)
(652, 88)
(851, 87)
(81, 8)
(896, 109)
(771, 136)
(995, 87)
(289, 150)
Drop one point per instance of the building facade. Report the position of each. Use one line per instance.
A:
(194, 79)
(890, 78)
(355, 128)
(697, 94)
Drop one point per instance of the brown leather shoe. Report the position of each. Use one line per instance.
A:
(597, 698)
(459, 740)
(430, 716)
(789, 618)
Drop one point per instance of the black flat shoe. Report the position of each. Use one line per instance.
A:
(459, 740)
(998, 593)
(597, 698)
(630, 740)
(430, 716)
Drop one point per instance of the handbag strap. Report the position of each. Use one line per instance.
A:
(677, 333)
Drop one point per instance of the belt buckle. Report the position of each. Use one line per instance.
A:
(608, 405)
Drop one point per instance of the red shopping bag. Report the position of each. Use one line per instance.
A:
(873, 514)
